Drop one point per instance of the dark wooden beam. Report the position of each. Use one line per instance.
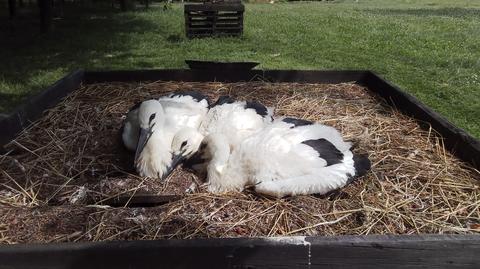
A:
(139, 200)
(382, 251)
(45, 15)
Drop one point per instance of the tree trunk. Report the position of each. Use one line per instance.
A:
(123, 6)
(12, 8)
(45, 15)
(126, 5)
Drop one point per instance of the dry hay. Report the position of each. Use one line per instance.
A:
(64, 165)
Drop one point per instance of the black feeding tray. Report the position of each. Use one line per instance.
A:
(372, 251)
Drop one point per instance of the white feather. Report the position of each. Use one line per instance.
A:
(233, 121)
(130, 130)
(174, 114)
(278, 163)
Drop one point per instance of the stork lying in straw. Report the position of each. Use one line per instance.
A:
(150, 128)
(236, 120)
(288, 157)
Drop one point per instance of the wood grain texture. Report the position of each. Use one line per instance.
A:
(420, 251)
(140, 200)
(432, 251)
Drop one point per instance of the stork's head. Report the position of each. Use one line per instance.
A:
(150, 113)
(185, 143)
(151, 157)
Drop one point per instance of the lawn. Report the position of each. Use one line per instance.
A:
(430, 48)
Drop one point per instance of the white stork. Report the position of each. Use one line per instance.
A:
(288, 157)
(235, 120)
(150, 127)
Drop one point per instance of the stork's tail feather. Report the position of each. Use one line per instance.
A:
(362, 164)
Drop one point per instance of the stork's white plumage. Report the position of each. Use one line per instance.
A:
(287, 157)
(130, 128)
(180, 109)
(235, 120)
(155, 123)
(184, 109)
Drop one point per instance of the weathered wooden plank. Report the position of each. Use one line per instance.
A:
(314, 76)
(139, 200)
(456, 140)
(173, 75)
(33, 107)
(194, 28)
(416, 251)
(215, 7)
(213, 74)
(433, 251)
(219, 20)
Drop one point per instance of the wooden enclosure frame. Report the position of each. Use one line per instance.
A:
(372, 251)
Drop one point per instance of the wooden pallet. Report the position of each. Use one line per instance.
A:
(212, 19)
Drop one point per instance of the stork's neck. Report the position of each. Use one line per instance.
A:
(220, 151)
(223, 175)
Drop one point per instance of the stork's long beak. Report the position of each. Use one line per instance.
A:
(176, 160)
(143, 138)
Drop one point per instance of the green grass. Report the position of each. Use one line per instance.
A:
(429, 48)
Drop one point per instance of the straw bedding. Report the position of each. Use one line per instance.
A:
(59, 171)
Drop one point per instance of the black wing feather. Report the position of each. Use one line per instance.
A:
(259, 108)
(326, 150)
(197, 96)
(297, 122)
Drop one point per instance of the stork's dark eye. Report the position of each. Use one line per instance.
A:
(203, 146)
(184, 143)
(151, 118)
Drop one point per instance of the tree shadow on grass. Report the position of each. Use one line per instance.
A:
(6, 99)
(86, 37)
(424, 12)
